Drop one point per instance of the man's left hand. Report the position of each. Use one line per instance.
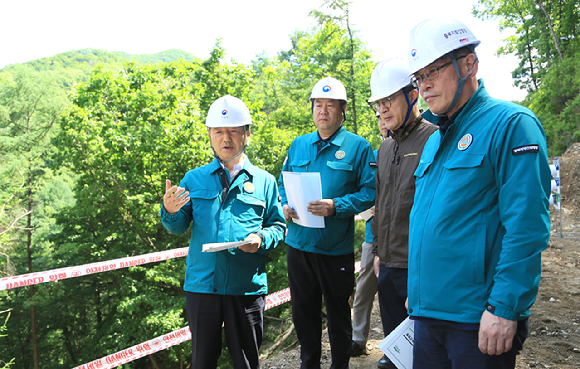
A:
(496, 334)
(323, 208)
(254, 246)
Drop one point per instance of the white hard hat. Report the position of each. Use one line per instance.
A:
(433, 38)
(329, 88)
(228, 111)
(389, 76)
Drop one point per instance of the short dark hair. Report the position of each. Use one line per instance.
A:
(408, 88)
(463, 51)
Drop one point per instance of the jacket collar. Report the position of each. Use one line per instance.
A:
(248, 167)
(402, 133)
(337, 139)
(478, 97)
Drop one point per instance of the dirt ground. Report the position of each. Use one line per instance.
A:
(554, 340)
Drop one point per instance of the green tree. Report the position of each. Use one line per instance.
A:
(546, 42)
(3, 364)
(546, 32)
(29, 107)
(123, 136)
(285, 82)
(341, 10)
(557, 104)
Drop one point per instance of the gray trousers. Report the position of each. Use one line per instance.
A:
(366, 288)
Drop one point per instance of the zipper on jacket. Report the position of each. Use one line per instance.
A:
(224, 182)
(395, 156)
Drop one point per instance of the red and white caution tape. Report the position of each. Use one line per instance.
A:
(138, 351)
(173, 338)
(143, 349)
(77, 271)
(167, 340)
(277, 298)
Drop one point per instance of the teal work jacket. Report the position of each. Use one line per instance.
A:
(250, 206)
(480, 219)
(369, 237)
(346, 177)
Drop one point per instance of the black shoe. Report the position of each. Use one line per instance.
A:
(357, 350)
(384, 363)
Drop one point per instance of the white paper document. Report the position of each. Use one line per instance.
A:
(367, 214)
(213, 247)
(398, 346)
(301, 188)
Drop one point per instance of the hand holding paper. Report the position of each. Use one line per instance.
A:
(322, 208)
(301, 189)
(213, 247)
(254, 243)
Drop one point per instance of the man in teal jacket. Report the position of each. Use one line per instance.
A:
(228, 200)
(321, 260)
(480, 218)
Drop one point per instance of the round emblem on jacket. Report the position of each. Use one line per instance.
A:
(339, 154)
(249, 187)
(465, 142)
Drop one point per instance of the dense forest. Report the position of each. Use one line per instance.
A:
(88, 137)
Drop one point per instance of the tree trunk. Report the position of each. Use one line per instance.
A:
(29, 249)
(352, 77)
(541, 6)
(154, 361)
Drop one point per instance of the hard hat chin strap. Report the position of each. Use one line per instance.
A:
(246, 143)
(460, 82)
(410, 105)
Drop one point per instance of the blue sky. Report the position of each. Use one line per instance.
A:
(35, 29)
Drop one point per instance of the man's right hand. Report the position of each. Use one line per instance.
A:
(377, 265)
(289, 213)
(172, 200)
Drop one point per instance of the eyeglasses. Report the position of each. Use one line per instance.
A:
(387, 101)
(430, 74)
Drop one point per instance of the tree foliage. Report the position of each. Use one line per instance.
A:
(546, 42)
(128, 127)
(557, 105)
(533, 41)
(285, 83)
(72, 67)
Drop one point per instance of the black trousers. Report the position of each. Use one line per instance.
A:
(312, 276)
(242, 318)
(447, 345)
(392, 287)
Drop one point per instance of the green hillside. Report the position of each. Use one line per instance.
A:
(74, 66)
(87, 58)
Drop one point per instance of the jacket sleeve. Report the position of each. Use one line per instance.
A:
(285, 168)
(364, 198)
(375, 219)
(179, 222)
(523, 178)
(274, 224)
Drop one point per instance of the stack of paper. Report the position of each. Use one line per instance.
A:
(398, 346)
(213, 247)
